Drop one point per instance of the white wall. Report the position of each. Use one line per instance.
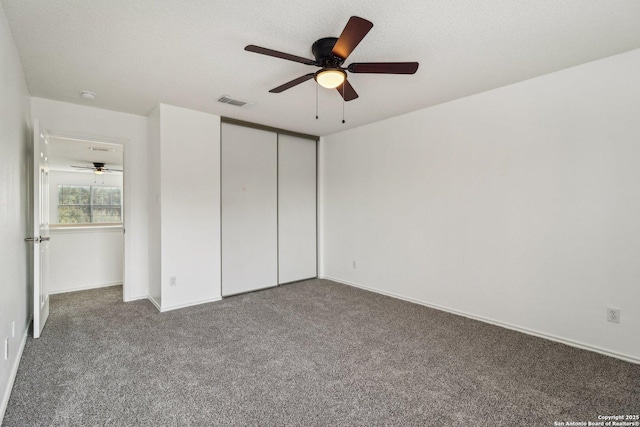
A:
(71, 119)
(187, 192)
(519, 205)
(85, 258)
(15, 144)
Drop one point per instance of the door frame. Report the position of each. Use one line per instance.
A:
(126, 291)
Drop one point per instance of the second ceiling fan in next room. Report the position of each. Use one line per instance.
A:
(98, 168)
(330, 53)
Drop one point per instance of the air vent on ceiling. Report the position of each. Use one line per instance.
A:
(226, 99)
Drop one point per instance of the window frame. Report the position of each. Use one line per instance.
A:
(91, 206)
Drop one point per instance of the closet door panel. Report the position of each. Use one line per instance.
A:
(249, 209)
(296, 208)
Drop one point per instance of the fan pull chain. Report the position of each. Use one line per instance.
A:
(316, 101)
(343, 101)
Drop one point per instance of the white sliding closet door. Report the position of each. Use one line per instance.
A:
(249, 209)
(296, 208)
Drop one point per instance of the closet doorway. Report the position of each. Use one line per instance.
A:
(268, 207)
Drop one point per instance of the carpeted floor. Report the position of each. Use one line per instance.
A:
(311, 353)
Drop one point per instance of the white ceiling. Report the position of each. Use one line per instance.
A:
(136, 54)
(65, 152)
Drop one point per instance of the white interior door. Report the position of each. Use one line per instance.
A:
(40, 238)
(249, 194)
(296, 209)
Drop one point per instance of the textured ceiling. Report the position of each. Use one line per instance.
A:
(136, 54)
(64, 152)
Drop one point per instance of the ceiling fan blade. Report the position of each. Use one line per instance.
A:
(347, 91)
(384, 67)
(83, 167)
(292, 83)
(276, 54)
(112, 170)
(351, 36)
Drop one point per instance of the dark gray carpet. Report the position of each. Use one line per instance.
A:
(311, 353)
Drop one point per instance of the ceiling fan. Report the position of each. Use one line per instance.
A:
(330, 53)
(98, 168)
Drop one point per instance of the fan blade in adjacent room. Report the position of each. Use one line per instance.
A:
(353, 33)
(276, 54)
(292, 83)
(347, 91)
(384, 67)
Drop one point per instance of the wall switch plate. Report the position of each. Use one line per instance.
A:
(353, 264)
(613, 315)
(173, 281)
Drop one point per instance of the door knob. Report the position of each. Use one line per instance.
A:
(37, 239)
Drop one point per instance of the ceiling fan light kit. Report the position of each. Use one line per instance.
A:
(330, 78)
(330, 53)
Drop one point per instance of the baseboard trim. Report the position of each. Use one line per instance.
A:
(551, 337)
(154, 302)
(12, 374)
(85, 288)
(136, 298)
(189, 304)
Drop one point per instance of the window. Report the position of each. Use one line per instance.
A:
(84, 204)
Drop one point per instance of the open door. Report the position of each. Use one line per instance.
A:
(40, 238)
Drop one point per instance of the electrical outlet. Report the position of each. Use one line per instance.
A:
(353, 264)
(613, 315)
(173, 281)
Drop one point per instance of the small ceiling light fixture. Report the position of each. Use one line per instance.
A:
(330, 77)
(98, 171)
(87, 94)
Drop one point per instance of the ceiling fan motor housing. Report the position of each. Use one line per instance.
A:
(322, 51)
